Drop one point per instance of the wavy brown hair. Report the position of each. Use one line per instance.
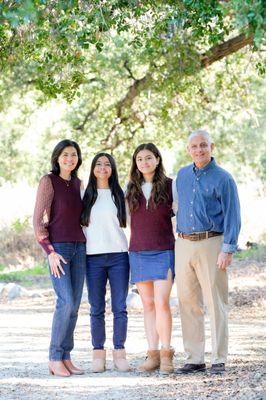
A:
(159, 190)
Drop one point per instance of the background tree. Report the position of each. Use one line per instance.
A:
(135, 71)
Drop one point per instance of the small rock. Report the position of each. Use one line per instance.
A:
(134, 301)
(258, 376)
(2, 285)
(34, 295)
(173, 301)
(12, 291)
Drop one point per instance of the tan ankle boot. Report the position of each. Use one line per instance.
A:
(120, 361)
(57, 368)
(152, 361)
(166, 361)
(72, 368)
(98, 361)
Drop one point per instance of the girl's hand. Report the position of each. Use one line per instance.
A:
(55, 264)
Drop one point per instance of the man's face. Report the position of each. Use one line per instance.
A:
(200, 150)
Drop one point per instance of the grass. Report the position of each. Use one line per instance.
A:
(26, 276)
(258, 253)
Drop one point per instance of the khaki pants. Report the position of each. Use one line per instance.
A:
(198, 278)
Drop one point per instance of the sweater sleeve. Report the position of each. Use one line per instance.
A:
(42, 211)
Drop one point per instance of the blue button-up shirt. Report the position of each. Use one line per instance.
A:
(208, 201)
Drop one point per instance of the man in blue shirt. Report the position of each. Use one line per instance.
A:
(208, 224)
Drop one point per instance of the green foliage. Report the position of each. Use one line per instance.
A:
(127, 72)
(24, 276)
(258, 254)
(20, 224)
(49, 40)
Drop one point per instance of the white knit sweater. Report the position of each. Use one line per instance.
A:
(104, 234)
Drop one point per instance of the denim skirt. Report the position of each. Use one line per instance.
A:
(151, 265)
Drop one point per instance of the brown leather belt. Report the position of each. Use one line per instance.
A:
(199, 236)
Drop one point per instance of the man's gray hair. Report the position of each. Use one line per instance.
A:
(200, 132)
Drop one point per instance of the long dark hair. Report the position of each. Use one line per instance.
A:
(57, 152)
(159, 190)
(91, 193)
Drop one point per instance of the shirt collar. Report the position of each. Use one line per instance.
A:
(212, 164)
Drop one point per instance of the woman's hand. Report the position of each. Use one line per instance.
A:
(55, 264)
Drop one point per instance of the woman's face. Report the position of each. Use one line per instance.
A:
(68, 159)
(146, 162)
(102, 170)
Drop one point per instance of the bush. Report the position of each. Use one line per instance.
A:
(18, 247)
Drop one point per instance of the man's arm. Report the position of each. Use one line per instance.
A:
(232, 222)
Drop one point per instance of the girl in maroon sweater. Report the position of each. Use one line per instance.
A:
(57, 228)
(151, 251)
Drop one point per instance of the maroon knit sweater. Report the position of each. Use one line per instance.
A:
(151, 228)
(57, 212)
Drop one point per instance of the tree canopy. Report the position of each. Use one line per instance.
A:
(136, 70)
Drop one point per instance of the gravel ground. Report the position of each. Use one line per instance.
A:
(25, 328)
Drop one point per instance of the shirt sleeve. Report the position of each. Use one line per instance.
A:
(231, 211)
(42, 211)
(175, 197)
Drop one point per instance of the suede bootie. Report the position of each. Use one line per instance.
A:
(152, 361)
(98, 360)
(120, 361)
(72, 368)
(57, 368)
(166, 361)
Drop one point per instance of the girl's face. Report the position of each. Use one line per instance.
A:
(102, 170)
(147, 162)
(68, 159)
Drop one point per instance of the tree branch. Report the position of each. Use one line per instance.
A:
(214, 54)
(87, 116)
(126, 66)
(222, 50)
(126, 103)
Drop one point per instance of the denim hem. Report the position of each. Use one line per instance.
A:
(163, 278)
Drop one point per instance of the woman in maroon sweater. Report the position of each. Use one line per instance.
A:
(151, 251)
(57, 228)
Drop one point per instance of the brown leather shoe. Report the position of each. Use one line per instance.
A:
(217, 368)
(191, 368)
(72, 369)
(57, 368)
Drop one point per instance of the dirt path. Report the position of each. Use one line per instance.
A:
(25, 328)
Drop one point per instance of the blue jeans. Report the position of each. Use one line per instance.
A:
(68, 290)
(115, 268)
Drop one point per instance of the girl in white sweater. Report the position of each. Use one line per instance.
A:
(104, 216)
